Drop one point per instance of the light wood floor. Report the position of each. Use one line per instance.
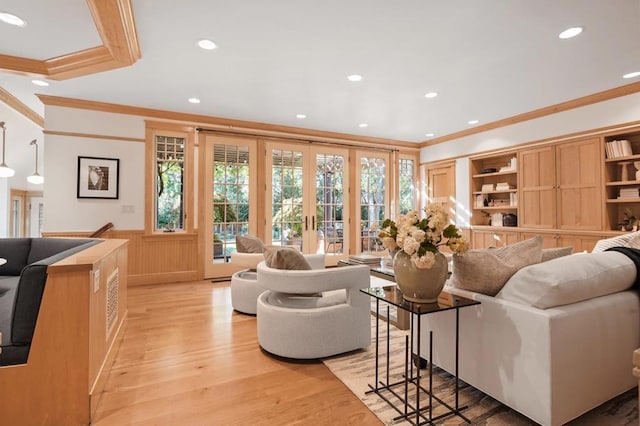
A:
(188, 359)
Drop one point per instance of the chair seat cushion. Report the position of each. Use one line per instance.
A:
(307, 301)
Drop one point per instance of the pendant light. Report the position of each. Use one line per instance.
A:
(35, 178)
(5, 171)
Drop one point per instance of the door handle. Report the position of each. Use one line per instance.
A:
(313, 223)
(306, 223)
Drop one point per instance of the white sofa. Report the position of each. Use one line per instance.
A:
(554, 364)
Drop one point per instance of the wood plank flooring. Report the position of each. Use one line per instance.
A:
(188, 359)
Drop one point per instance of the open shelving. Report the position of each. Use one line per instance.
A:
(495, 200)
(622, 186)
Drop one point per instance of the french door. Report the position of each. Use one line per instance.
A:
(230, 194)
(305, 198)
(372, 169)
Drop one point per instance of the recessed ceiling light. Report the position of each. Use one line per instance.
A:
(354, 77)
(207, 44)
(430, 135)
(194, 100)
(40, 83)
(301, 116)
(570, 32)
(632, 74)
(473, 121)
(431, 94)
(12, 19)
(363, 125)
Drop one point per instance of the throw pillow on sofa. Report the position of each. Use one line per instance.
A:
(487, 270)
(285, 258)
(555, 252)
(626, 240)
(249, 244)
(570, 279)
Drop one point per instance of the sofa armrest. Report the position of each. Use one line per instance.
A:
(313, 280)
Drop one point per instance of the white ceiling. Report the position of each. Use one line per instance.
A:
(487, 59)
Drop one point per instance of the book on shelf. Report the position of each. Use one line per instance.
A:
(618, 148)
(487, 187)
(503, 186)
(632, 192)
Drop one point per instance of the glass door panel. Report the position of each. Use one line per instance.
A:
(229, 187)
(306, 198)
(287, 167)
(373, 198)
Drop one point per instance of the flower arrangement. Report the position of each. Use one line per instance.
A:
(421, 238)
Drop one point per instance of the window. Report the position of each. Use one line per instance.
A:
(406, 190)
(169, 178)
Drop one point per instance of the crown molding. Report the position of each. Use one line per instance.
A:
(20, 107)
(228, 124)
(549, 110)
(116, 26)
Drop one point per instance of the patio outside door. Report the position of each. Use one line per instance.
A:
(305, 202)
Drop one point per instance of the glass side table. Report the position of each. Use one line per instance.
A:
(397, 394)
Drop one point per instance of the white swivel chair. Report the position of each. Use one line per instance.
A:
(308, 314)
(244, 284)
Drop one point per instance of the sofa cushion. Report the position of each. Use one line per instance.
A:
(285, 258)
(570, 279)
(555, 252)
(486, 270)
(626, 240)
(16, 251)
(249, 244)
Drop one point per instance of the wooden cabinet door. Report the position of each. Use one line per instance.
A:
(537, 188)
(441, 180)
(579, 191)
(578, 242)
(485, 239)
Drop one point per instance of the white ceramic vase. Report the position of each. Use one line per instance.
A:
(417, 284)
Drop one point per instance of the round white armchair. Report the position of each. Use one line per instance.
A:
(307, 314)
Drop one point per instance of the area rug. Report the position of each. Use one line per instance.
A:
(356, 370)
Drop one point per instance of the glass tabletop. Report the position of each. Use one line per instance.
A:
(392, 295)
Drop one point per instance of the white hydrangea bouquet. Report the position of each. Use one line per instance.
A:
(421, 238)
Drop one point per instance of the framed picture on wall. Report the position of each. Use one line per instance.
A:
(98, 177)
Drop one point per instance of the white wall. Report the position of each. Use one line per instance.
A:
(63, 210)
(616, 111)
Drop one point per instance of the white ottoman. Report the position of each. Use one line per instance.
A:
(245, 291)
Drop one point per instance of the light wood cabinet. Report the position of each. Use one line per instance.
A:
(560, 186)
(537, 187)
(493, 238)
(579, 185)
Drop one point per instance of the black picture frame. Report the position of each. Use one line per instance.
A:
(98, 177)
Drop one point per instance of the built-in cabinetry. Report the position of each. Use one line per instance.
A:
(622, 183)
(572, 193)
(560, 186)
(494, 189)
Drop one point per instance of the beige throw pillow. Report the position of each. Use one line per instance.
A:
(285, 258)
(555, 252)
(249, 244)
(487, 270)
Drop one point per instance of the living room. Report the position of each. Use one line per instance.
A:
(80, 122)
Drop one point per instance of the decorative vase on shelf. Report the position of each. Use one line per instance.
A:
(417, 284)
